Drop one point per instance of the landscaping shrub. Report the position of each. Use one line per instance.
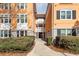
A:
(69, 42)
(56, 41)
(16, 44)
(49, 41)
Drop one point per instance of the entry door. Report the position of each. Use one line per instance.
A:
(40, 35)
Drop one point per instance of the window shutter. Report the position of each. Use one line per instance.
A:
(58, 14)
(74, 14)
(1, 20)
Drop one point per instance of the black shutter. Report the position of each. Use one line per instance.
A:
(74, 14)
(1, 20)
(58, 14)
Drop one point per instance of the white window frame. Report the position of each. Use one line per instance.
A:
(4, 33)
(4, 15)
(4, 5)
(65, 14)
(20, 32)
(19, 4)
(19, 15)
(66, 34)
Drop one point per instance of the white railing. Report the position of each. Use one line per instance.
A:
(22, 26)
(40, 21)
(40, 29)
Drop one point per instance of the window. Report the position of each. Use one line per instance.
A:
(63, 32)
(5, 33)
(17, 33)
(6, 21)
(69, 15)
(21, 33)
(6, 18)
(21, 18)
(21, 5)
(58, 32)
(62, 14)
(1, 33)
(69, 31)
(66, 14)
(6, 5)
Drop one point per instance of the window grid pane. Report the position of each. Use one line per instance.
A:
(62, 14)
(22, 5)
(5, 33)
(22, 18)
(68, 14)
(63, 32)
(1, 33)
(69, 31)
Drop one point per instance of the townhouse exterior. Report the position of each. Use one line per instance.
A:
(17, 19)
(62, 19)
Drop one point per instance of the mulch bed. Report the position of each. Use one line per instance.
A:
(61, 50)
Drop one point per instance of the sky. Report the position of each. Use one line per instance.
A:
(41, 8)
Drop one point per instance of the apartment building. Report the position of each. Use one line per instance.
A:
(20, 19)
(62, 19)
(17, 19)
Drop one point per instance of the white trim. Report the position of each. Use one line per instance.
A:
(24, 6)
(4, 17)
(3, 33)
(19, 15)
(66, 31)
(65, 14)
(20, 32)
(5, 6)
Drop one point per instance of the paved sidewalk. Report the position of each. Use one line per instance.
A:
(40, 49)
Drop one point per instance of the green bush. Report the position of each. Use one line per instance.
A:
(49, 41)
(16, 44)
(70, 42)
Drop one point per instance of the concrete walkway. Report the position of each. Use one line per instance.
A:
(40, 49)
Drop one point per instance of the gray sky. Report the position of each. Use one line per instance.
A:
(41, 8)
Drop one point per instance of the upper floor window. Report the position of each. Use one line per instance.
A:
(5, 6)
(5, 18)
(21, 5)
(21, 18)
(66, 14)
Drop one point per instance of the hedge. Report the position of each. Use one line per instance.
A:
(69, 42)
(16, 44)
